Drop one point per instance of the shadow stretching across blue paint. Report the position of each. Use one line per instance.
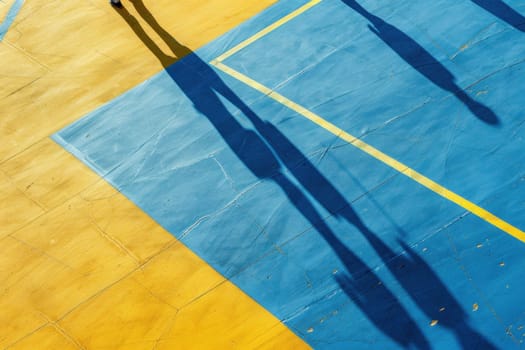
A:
(270, 155)
(504, 12)
(422, 61)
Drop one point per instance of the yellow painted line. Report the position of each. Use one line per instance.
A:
(377, 154)
(267, 30)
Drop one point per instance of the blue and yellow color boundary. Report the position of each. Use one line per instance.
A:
(386, 262)
(76, 269)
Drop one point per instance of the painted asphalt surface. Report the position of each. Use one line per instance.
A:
(343, 248)
(81, 266)
(10, 17)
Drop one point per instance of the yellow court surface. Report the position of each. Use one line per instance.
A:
(241, 174)
(81, 266)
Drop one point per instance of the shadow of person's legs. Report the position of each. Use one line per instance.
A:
(134, 24)
(177, 49)
(256, 151)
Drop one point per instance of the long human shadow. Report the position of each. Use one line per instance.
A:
(263, 153)
(504, 12)
(422, 284)
(409, 269)
(436, 301)
(422, 61)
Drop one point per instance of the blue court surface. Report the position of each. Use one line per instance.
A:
(356, 167)
(10, 16)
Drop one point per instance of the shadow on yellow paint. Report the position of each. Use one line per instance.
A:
(177, 49)
(82, 266)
